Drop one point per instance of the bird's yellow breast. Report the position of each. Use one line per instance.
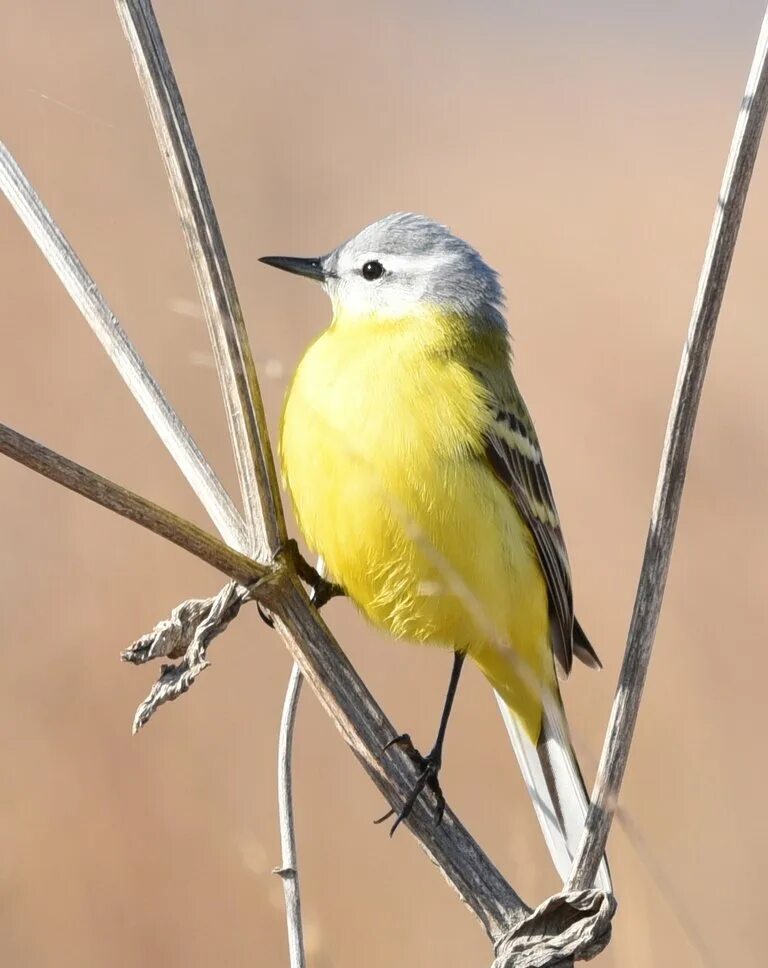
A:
(382, 451)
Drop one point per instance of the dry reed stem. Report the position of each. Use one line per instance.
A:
(674, 463)
(288, 870)
(138, 509)
(215, 283)
(86, 295)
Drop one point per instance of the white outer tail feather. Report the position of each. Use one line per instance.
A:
(563, 827)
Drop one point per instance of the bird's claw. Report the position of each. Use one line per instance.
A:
(429, 768)
(265, 616)
(404, 740)
(323, 591)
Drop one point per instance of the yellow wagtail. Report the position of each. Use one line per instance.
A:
(416, 474)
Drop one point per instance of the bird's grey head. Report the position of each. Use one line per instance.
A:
(401, 264)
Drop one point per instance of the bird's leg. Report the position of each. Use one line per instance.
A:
(428, 766)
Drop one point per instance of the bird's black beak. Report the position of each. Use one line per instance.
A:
(311, 268)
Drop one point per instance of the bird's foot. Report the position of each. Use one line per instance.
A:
(429, 768)
(322, 589)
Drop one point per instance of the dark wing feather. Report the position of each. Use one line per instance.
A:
(582, 647)
(514, 454)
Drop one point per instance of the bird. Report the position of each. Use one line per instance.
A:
(416, 475)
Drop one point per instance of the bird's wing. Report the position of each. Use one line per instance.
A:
(513, 451)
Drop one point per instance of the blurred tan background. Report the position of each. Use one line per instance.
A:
(580, 148)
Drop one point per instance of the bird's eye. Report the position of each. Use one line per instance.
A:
(373, 270)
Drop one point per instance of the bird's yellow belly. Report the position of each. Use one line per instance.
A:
(386, 478)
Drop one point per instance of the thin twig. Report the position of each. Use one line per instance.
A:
(289, 870)
(91, 303)
(674, 462)
(234, 362)
(124, 502)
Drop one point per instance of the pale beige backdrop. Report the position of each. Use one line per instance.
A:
(581, 150)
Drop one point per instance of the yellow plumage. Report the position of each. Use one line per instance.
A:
(416, 473)
(383, 445)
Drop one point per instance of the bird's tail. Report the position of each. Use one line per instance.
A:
(555, 784)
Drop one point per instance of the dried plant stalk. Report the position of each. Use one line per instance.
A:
(367, 730)
(674, 463)
(226, 327)
(289, 867)
(129, 505)
(91, 303)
